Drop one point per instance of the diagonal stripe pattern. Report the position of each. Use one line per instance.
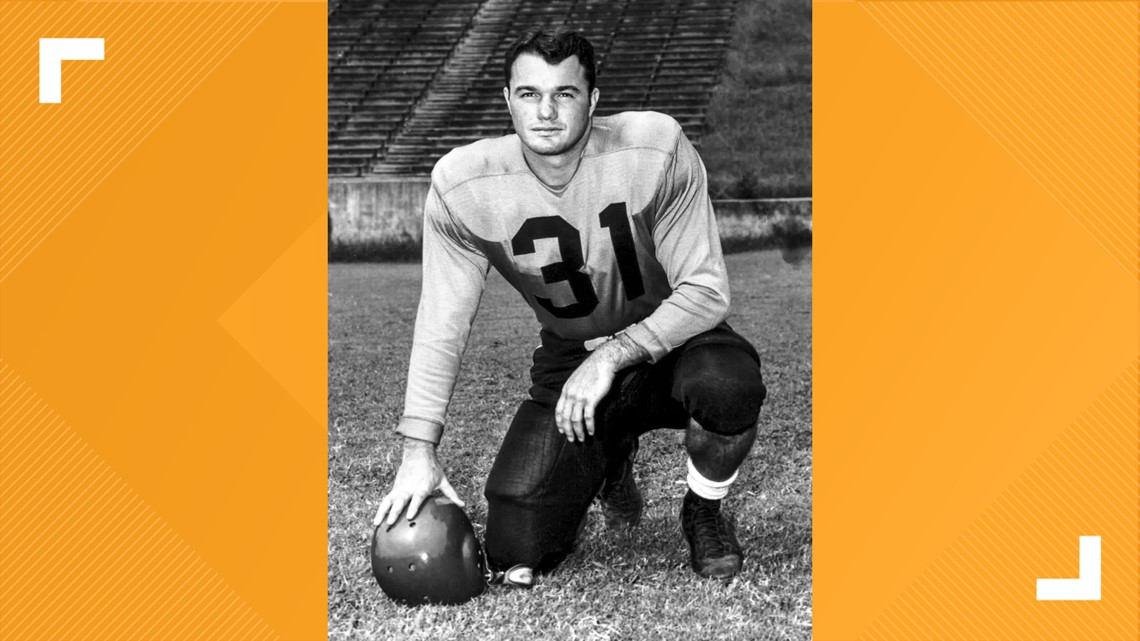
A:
(53, 156)
(1055, 85)
(83, 556)
(983, 586)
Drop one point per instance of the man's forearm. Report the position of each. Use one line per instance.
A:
(621, 352)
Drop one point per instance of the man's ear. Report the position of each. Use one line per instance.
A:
(507, 98)
(593, 100)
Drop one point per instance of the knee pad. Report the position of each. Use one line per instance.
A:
(721, 388)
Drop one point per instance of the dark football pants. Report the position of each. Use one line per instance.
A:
(541, 484)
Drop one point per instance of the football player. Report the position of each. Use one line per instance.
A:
(604, 225)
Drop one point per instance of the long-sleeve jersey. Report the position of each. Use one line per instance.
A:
(629, 244)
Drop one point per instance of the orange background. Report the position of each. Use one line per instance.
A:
(162, 356)
(976, 325)
(164, 310)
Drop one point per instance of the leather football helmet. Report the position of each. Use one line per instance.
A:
(434, 558)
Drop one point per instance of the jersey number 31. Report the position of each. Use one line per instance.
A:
(569, 268)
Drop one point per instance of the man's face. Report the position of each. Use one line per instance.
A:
(550, 105)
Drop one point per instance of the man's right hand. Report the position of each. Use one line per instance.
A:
(418, 477)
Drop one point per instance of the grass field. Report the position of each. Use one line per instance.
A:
(616, 586)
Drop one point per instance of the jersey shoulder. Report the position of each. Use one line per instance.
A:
(637, 130)
(482, 158)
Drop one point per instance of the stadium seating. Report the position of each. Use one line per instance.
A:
(408, 81)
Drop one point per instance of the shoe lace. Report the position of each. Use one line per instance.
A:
(707, 526)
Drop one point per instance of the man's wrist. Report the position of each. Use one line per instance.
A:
(420, 428)
(619, 353)
(413, 444)
(607, 357)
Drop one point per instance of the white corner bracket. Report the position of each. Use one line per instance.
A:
(53, 51)
(1085, 587)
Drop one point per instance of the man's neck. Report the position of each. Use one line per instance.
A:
(556, 171)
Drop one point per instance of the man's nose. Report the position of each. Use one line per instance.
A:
(546, 109)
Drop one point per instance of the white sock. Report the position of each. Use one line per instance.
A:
(706, 489)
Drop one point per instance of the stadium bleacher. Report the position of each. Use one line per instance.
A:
(409, 81)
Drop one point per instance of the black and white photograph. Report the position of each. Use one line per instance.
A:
(570, 328)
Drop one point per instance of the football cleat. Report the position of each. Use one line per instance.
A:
(434, 558)
(621, 500)
(518, 576)
(713, 549)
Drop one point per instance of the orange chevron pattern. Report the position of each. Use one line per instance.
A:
(253, 320)
(85, 556)
(983, 586)
(162, 369)
(975, 306)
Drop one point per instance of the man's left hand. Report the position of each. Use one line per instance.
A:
(585, 388)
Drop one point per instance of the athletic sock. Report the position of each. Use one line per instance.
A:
(706, 489)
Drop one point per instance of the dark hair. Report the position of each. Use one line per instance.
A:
(554, 47)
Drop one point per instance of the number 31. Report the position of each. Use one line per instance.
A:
(613, 217)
